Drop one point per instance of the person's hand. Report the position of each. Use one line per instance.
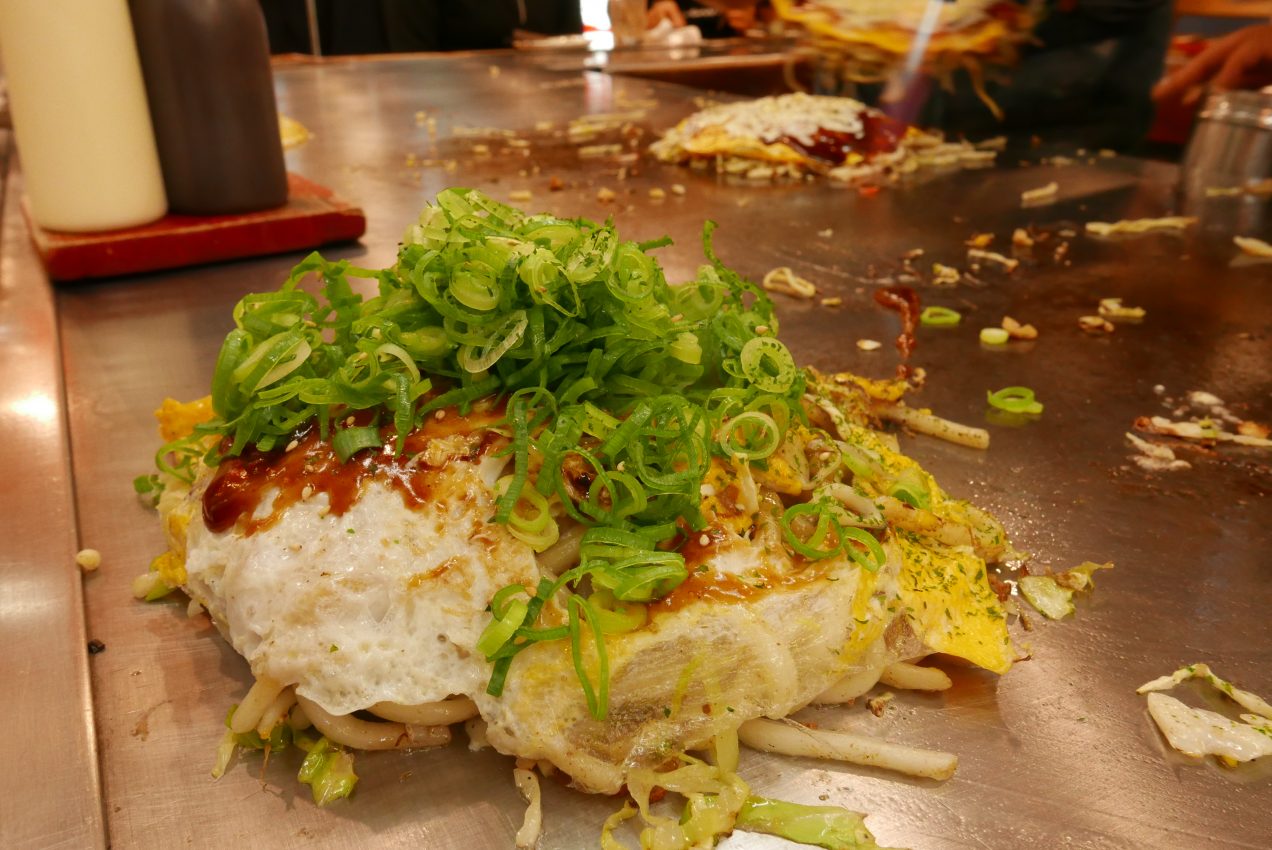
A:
(1239, 60)
(664, 10)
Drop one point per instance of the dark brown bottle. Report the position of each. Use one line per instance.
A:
(206, 64)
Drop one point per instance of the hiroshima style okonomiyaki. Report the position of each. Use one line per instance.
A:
(798, 134)
(866, 41)
(525, 484)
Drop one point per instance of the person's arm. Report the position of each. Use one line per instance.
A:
(1239, 60)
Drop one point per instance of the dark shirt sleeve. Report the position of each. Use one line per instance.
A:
(569, 17)
(413, 25)
(1120, 11)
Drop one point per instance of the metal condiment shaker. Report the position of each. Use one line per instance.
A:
(211, 94)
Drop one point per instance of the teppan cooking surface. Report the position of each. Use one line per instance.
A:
(1058, 753)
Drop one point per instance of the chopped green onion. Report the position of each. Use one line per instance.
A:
(939, 317)
(873, 558)
(1015, 400)
(686, 348)
(597, 696)
(768, 364)
(621, 390)
(612, 544)
(911, 488)
(750, 435)
(653, 580)
(994, 336)
(480, 358)
(349, 441)
(810, 547)
(514, 485)
(501, 629)
(617, 617)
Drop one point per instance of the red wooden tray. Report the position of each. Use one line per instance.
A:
(312, 216)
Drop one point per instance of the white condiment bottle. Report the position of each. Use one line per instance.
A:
(88, 154)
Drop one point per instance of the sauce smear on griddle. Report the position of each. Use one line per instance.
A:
(905, 301)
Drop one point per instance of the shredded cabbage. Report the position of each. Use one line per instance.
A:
(717, 801)
(1052, 595)
(328, 771)
(1246, 699)
(831, 827)
(327, 768)
(1197, 732)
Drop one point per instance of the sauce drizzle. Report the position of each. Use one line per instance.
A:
(905, 301)
(310, 466)
(879, 134)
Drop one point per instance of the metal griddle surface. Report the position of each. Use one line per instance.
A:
(1058, 753)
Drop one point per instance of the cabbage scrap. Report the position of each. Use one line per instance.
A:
(1245, 699)
(719, 801)
(1198, 732)
(327, 768)
(830, 827)
(1052, 595)
(328, 771)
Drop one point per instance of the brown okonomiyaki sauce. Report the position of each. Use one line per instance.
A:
(310, 466)
(879, 134)
(705, 583)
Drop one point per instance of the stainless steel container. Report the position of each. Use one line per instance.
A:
(1231, 144)
(1227, 167)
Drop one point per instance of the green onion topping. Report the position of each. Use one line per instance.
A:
(939, 317)
(619, 390)
(1015, 400)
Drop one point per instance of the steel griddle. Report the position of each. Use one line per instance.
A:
(1058, 753)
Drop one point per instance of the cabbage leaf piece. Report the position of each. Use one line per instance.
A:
(830, 827)
(1052, 595)
(717, 801)
(1245, 699)
(1198, 732)
(279, 739)
(328, 771)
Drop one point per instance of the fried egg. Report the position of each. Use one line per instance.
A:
(381, 599)
(368, 581)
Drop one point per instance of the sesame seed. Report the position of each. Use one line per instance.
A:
(439, 415)
(704, 540)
